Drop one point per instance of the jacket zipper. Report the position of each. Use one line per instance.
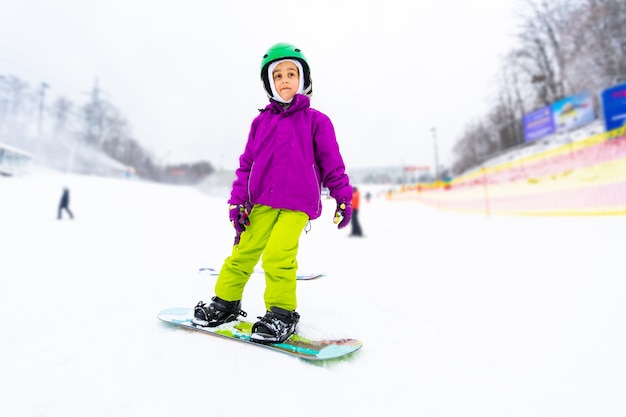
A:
(319, 191)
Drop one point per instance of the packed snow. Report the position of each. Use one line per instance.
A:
(460, 315)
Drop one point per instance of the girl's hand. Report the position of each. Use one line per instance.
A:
(343, 214)
(238, 214)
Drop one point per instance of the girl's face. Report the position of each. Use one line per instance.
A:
(286, 80)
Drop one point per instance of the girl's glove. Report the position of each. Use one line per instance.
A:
(343, 214)
(239, 216)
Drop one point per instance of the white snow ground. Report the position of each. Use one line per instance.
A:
(461, 315)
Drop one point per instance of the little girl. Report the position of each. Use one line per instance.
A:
(290, 155)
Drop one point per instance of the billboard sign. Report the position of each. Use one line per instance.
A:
(614, 107)
(538, 123)
(573, 112)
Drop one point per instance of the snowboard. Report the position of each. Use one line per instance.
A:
(301, 276)
(296, 345)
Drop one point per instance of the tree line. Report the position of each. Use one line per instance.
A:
(96, 123)
(563, 47)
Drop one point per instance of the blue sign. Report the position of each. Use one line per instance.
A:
(538, 123)
(614, 107)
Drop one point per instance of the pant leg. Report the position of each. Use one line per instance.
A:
(356, 226)
(238, 267)
(280, 260)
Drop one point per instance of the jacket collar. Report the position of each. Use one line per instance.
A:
(299, 102)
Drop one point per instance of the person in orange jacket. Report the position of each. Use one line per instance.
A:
(356, 226)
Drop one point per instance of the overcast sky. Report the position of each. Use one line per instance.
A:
(185, 73)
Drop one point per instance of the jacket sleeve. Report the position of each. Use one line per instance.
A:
(239, 192)
(328, 158)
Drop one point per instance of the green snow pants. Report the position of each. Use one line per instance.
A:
(275, 234)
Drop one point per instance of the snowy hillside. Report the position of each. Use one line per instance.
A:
(461, 315)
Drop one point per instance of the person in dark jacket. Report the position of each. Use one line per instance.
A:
(290, 155)
(64, 204)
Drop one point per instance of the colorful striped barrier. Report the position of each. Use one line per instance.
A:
(587, 177)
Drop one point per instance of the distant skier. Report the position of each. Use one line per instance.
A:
(64, 204)
(356, 202)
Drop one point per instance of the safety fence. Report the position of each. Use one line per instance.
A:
(586, 177)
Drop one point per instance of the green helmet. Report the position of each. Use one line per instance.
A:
(285, 51)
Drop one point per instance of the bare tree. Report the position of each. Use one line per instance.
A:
(60, 111)
(545, 48)
(14, 92)
(510, 106)
(602, 40)
(477, 144)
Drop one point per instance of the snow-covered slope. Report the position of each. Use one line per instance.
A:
(461, 315)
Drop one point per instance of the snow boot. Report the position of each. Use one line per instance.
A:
(216, 313)
(275, 327)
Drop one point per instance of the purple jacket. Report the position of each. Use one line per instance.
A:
(289, 156)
